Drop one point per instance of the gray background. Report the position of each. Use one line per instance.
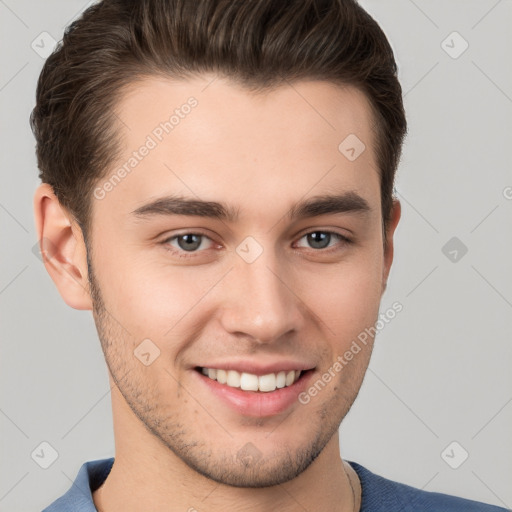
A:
(441, 370)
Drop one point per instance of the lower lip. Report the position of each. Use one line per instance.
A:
(257, 403)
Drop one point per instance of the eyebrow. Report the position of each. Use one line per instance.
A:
(347, 202)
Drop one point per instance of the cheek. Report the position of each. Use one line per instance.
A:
(149, 298)
(347, 298)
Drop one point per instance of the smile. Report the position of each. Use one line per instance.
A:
(251, 382)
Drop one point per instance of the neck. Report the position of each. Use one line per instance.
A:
(145, 471)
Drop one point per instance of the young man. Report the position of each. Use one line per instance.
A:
(217, 189)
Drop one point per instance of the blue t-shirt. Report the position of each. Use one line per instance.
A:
(378, 494)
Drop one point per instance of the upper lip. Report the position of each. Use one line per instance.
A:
(255, 368)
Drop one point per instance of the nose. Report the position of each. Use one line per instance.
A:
(260, 302)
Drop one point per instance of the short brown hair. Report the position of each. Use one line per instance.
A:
(257, 43)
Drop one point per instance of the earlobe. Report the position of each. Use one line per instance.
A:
(62, 248)
(389, 249)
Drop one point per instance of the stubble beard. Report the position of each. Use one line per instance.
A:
(224, 467)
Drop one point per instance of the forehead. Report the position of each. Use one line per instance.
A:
(211, 138)
(304, 108)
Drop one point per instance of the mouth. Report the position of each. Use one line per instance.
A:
(251, 382)
(253, 395)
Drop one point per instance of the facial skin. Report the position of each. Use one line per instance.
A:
(259, 154)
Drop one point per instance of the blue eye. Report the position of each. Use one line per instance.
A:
(191, 244)
(322, 239)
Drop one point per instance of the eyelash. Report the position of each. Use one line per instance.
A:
(180, 253)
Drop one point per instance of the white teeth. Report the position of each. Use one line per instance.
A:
(222, 376)
(251, 382)
(267, 382)
(233, 379)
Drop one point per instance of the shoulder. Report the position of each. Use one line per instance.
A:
(382, 495)
(79, 497)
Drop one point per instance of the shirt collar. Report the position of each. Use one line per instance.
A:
(79, 497)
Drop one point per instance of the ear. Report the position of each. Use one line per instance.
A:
(62, 248)
(388, 251)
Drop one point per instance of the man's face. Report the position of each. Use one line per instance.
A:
(261, 293)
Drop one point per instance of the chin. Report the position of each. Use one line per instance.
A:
(252, 467)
